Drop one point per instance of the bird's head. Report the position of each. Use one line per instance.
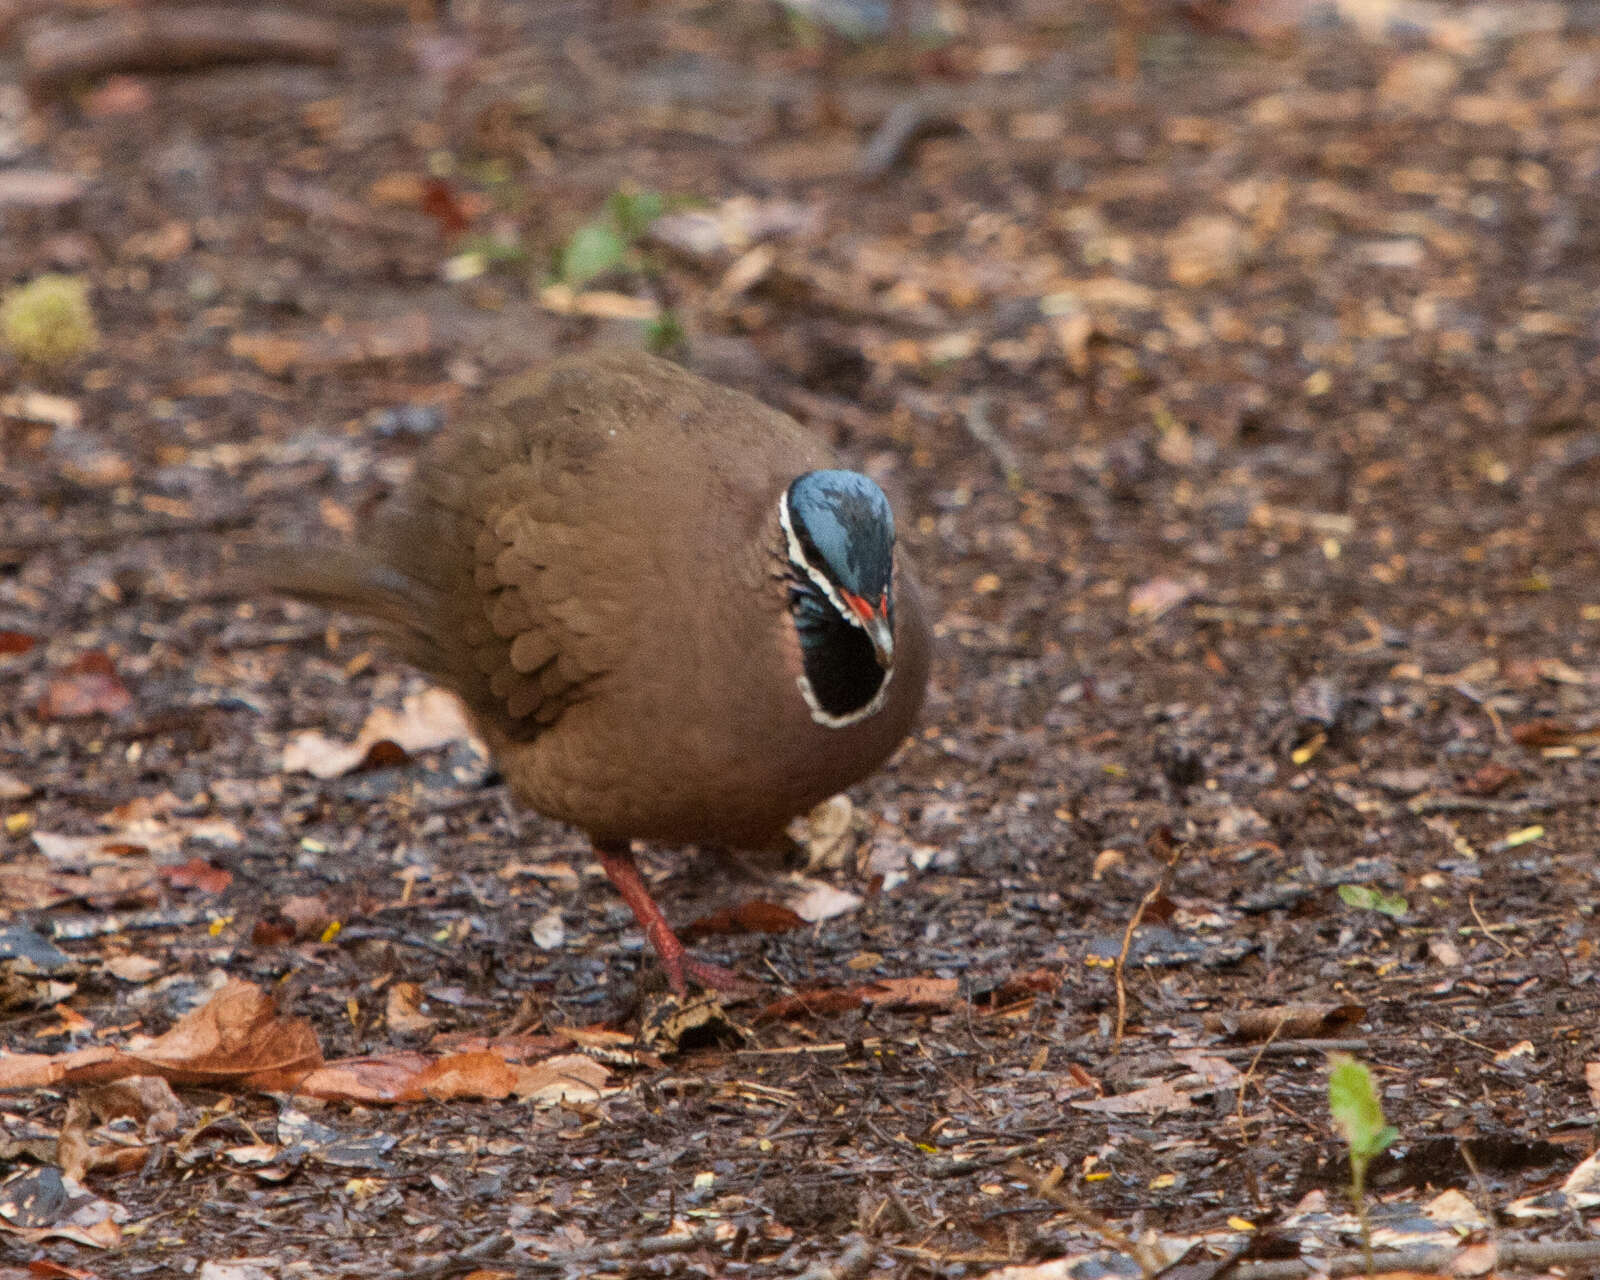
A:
(839, 540)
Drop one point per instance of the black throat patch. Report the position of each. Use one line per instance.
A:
(837, 656)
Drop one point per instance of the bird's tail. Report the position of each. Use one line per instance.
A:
(350, 579)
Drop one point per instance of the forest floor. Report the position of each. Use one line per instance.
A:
(1241, 416)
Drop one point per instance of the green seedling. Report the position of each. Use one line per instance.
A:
(494, 251)
(49, 320)
(1358, 1115)
(609, 242)
(665, 334)
(593, 250)
(1366, 898)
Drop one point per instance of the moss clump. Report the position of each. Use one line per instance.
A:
(48, 321)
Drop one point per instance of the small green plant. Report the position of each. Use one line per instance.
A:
(609, 241)
(1366, 898)
(665, 334)
(1358, 1115)
(494, 251)
(49, 320)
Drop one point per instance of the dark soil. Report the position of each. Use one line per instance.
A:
(1242, 420)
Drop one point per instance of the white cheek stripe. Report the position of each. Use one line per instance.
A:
(797, 556)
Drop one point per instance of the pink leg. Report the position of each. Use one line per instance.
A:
(617, 861)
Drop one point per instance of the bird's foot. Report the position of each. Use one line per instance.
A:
(681, 967)
(685, 968)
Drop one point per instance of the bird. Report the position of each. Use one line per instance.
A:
(671, 614)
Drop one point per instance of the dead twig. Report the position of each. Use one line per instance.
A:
(1472, 905)
(1431, 1259)
(852, 1264)
(1478, 804)
(1161, 887)
(464, 1259)
(625, 1250)
(1252, 1186)
(976, 419)
(910, 122)
(116, 535)
(151, 39)
(1086, 1217)
(1283, 1048)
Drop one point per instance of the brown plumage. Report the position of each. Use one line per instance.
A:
(593, 558)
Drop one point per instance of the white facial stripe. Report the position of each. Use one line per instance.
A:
(797, 556)
(850, 718)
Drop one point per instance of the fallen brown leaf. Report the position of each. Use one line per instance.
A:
(146, 1099)
(425, 722)
(199, 874)
(1152, 1100)
(1490, 777)
(890, 993)
(402, 1009)
(1294, 1021)
(572, 1077)
(88, 687)
(748, 917)
(1543, 733)
(235, 1037)
(385, 1079)
(464, 1075)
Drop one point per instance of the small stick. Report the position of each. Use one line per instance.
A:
(626, 1250)
(1472, 905)
(1084, 1216)
(463, 1259)
(148, 39)
(852, 1264)
(1161, 887)
(1435, 1259)
(976, 418)
(1251, 1184)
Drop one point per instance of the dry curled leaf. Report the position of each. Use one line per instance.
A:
(402, 1009)
(890, 993)
(748, 917)
(1491, 776)
(1154, 1099)
(425, 722)
(88, 687)
(199, 874)
(1303, 1020)
(1543, 733)
(235, 1037)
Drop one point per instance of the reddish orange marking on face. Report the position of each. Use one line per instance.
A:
(859, 605)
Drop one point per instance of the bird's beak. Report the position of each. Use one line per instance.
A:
(881, 632)
(876, 621)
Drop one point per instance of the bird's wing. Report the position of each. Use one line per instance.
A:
(499, 530)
